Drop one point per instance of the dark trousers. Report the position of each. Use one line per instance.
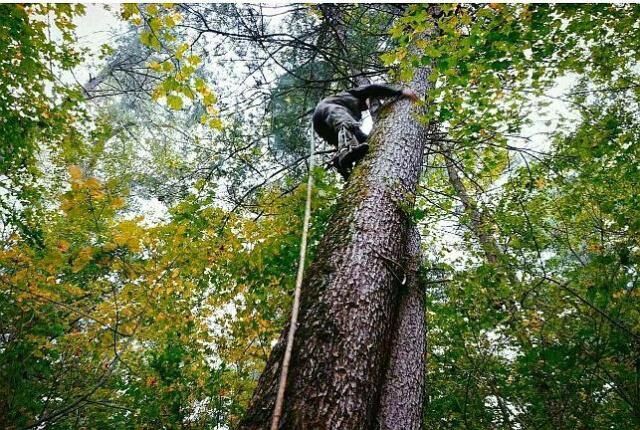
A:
(328, 120)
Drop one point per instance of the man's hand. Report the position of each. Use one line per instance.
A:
(410, 94)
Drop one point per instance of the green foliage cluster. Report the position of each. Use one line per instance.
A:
(173, 60)
(488, 60)
(116, 324)
(37, 111)
(539, 328)
(552, 330)
(30, 63)
(108, 319)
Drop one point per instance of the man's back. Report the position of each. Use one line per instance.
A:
(345, 99)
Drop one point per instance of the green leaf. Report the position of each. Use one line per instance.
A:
(174, 102)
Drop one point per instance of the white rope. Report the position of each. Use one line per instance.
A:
(277, 410)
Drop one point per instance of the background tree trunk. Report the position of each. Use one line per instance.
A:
(479, 225)
(350, 295)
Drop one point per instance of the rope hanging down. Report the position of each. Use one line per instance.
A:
(277, 410)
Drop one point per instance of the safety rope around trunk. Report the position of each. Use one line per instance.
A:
(277, 410)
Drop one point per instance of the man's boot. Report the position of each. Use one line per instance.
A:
(342, 168)
(350, 151)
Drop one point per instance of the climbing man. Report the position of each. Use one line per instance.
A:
(337, 120)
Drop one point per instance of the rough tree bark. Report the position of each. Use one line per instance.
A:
(403, 387)
(402, 397)
(351, 292)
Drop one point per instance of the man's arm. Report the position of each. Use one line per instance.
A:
(381, 91)
(375, 91)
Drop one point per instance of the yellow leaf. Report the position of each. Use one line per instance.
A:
(201, 85)
(185, 73)
(155, 24)
(388, 58)
(174, 102)
(63, 245)
(209, 99)
(421, 43)
(93, 183)
(128, 10)
(215, 123)
(167, 66)
(169, 21)
(84, 256)
(181, 50)
(145, 38)
(152, 9)
(75, 172)
(158, 93)
(117, 203)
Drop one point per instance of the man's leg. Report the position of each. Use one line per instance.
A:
(350, 148)
(360, 135)
(343, 149)
(355, 149)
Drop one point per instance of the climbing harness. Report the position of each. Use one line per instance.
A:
(277, 410)
(344, 138)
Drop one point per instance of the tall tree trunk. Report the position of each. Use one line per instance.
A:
(351, 292)
(403, 390)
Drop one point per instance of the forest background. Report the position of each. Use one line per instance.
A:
(152, 190)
